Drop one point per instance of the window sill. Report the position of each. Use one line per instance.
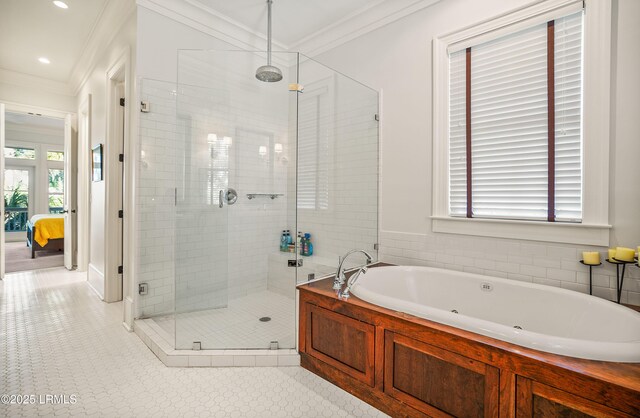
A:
(567, 233)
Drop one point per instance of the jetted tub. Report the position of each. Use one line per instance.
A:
(541, 317)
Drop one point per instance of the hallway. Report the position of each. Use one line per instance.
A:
(58, 338)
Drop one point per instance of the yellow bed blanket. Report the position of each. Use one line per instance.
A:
(50, 228)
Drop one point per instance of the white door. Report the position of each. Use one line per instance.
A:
(69, 204)
(2, 254)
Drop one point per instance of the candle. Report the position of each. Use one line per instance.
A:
(612, 254)
(591, 257)
(624, 254)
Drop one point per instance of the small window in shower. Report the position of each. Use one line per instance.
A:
(315, 118)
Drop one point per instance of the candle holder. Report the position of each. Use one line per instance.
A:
(591, 266)
(620, 274)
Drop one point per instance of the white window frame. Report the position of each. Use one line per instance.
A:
(594, 228)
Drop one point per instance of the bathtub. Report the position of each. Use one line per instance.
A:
(541, 317)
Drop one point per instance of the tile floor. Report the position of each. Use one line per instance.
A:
(58, 338)
(236, 326)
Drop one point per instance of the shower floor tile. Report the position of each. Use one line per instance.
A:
(237, 326)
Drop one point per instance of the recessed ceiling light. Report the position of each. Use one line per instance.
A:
(44, 60)
(61, 4)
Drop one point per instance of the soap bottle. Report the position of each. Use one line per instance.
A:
(308, 245)
(303, 245)
(283, 241)
(299, 242)
(289, 238)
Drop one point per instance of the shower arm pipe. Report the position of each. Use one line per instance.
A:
(269, 2)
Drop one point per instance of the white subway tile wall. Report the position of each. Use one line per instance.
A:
(338, 127)
(155, 191)
(549, 264)
(219, 128)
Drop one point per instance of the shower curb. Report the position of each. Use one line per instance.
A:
(152, 336)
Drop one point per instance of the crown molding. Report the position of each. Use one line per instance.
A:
(31, 81)
(108, 24)
(358, 23)
(207, 20)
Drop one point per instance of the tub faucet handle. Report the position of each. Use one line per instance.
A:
(345, 294)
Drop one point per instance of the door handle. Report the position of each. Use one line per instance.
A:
(220, 197)
(64, 211)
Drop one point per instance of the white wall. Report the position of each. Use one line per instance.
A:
(25, 90)
(96, 86)
(159, 39)
(397, 60)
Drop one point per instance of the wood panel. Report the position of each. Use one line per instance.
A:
(614, 386)
(537, 400)
(371, 395)
(345, 343)
(439, 382)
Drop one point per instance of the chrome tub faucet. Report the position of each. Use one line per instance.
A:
(340, 279)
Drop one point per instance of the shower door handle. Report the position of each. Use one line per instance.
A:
(220, 197)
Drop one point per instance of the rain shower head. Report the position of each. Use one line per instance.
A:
(268, 73)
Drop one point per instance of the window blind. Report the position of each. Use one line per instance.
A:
(313, 149)
(457, 135)
(568, 116)
(509, 117)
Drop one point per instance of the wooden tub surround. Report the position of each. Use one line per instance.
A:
(410, 366)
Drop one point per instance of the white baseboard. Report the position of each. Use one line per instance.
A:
(128, 313)
(96, 280)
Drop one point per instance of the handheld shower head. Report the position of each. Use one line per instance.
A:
(268, 73)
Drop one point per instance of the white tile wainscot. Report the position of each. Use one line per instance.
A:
(545, 263)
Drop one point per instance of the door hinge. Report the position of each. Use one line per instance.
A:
(120, 269)
(121, 158)
(122, 101)
(296, 87)
(294, 263)
(143, 289)
(121, 214)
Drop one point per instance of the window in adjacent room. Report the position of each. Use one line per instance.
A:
(56, 190)
(20, 152)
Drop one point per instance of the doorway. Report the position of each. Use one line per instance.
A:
(35, 188)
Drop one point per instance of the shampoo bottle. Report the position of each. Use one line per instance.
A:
(308, 245)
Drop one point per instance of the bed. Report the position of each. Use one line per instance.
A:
(45, 233)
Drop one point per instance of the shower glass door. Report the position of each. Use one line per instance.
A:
(235, 194)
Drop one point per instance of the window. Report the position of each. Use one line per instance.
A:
(56, 190)
(55, 156)
(18, 152)
(16, 199)
(314, 121)
(515, 137)
(521, 125)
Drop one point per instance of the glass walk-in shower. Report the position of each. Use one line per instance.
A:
(229, 162)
